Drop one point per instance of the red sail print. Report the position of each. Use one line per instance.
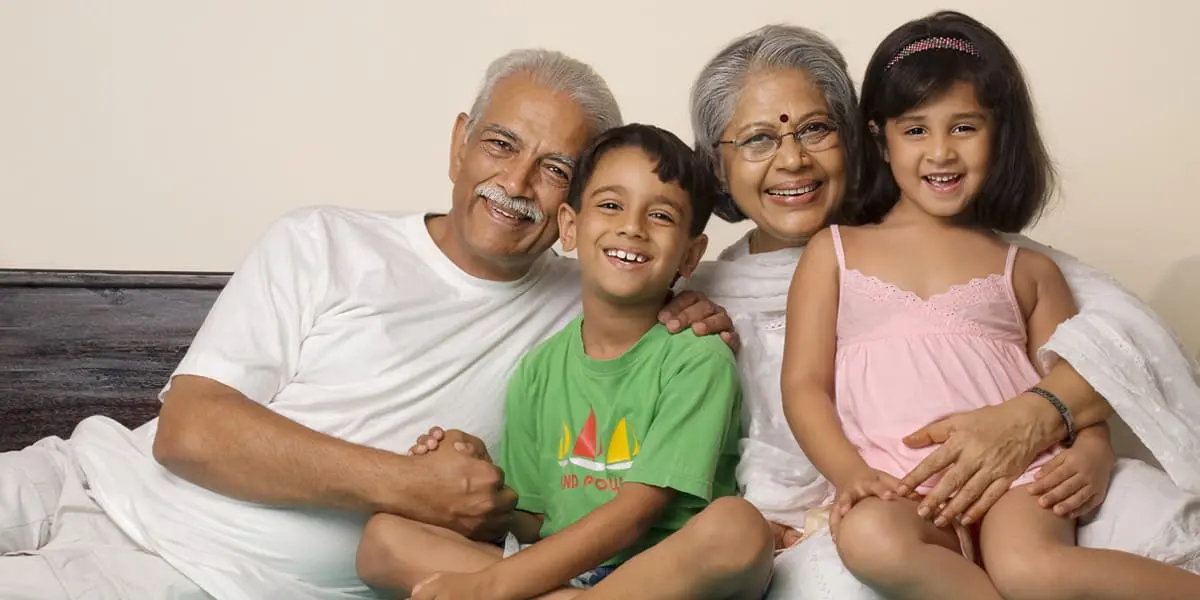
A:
(587, 446)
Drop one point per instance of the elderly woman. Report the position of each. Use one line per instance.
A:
(776, 113)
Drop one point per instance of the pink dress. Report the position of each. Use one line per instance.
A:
(904, 361)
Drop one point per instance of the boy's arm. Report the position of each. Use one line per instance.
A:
(809, 350)
(583, 545)
(680, 452)
(518, 456)
(527, 526)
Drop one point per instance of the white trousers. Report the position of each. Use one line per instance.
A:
(57, 544)
(1144, 513)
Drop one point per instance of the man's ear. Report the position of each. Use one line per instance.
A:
(880, 140)
(695, 252)
(566, 227)
(458, 145)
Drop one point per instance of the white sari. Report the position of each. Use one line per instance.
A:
(1115, 342)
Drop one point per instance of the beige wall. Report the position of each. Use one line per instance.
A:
(140, 134)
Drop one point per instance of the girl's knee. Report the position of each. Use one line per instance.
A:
(1025, 573)
(872, 542)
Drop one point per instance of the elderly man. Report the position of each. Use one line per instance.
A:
(341, 338)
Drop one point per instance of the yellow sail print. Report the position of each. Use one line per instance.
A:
(619, 457)
(564, 445)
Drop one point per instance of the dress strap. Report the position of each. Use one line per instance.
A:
(1010, 261)
(837, 247)
(1011, 290)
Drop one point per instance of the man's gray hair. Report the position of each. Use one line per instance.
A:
(715, 92)
(560, 73)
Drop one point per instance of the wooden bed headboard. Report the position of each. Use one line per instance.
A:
(79, 343)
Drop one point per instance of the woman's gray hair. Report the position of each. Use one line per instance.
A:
(557, 72)
(716, 91)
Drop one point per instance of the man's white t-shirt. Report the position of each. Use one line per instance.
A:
(356, 325)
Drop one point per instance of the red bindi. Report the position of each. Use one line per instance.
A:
(783, 118)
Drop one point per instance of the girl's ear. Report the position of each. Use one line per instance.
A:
(880, 139)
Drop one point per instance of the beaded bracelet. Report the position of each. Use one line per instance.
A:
(1068, 420)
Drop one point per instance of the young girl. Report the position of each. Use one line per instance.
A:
(921, 311)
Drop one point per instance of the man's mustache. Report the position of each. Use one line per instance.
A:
(517, 205)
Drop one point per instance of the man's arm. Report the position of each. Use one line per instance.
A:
(215, 437)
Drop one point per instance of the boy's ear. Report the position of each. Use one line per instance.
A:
(880, 139)
(566, 227)
(695, 252)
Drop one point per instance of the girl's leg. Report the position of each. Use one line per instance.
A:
(1030, 554)
(890, 548)
(725, 552)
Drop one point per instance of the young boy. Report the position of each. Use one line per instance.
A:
(616, 432)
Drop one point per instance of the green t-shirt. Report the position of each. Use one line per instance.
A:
(666, 413)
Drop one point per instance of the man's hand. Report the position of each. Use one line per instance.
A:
(459, 440)
(692, 309)
(464, 494)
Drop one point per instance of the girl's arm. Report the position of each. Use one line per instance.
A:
(808, 365)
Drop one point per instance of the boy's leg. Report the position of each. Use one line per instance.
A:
(1030, 553)
(900, 555)
(725, 552)
(397, 554)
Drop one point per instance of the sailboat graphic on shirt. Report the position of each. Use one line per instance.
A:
(587, 452)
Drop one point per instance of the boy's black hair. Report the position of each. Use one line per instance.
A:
(676, 163)
(1020, 176)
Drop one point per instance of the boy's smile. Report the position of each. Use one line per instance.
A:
(631, 234)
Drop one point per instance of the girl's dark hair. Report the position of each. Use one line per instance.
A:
(1020, 176)
(675, 163)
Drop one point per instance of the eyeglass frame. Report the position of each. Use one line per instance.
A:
(795, 135)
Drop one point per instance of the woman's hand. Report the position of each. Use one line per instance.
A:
(1075, 482)
(982, 452)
